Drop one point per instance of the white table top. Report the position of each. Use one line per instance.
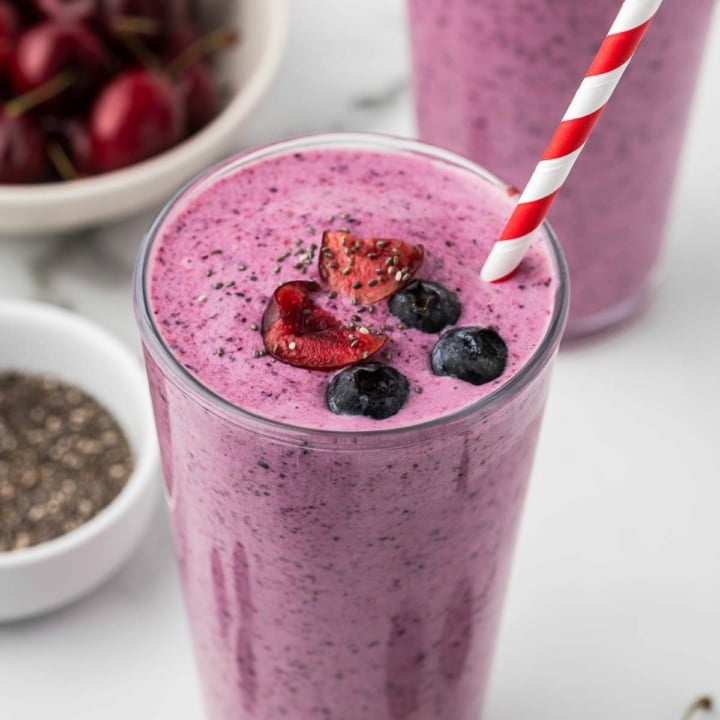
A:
(613, 605)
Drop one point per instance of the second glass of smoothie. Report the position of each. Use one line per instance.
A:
(492, 80)
(340, 566)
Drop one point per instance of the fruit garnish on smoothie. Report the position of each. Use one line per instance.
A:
(426, 305)
(372, 389)
(367, 270)
(298, 332)
(254, 308)
(473, 354)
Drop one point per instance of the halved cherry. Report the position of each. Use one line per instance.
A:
(298, 332)
(367, 270)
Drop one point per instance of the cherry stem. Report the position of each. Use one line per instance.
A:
(702, 703)
(61, 161)
(139, 49)
(201, 48)
(42, 93)
(134, 25)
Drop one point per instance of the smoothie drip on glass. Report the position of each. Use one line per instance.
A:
(492, 80)
(339, 566)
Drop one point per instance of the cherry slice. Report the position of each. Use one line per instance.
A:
(367, 270)
(298, 332)
(292, 302)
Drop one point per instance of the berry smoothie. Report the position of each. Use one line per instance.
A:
(345, 484)
(492, 80)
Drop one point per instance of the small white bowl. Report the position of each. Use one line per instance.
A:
(246, 69)
(38, 338)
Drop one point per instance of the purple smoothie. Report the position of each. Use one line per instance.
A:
(333, 566)
(492, 80)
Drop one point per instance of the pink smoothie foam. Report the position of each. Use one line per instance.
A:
(492, 80)
(270, 218)
(351, 576)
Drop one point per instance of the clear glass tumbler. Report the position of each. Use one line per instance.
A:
(492, 80)
(344, 575)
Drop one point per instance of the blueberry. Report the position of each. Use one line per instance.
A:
(473, 354)
(425, 305)
(371, 389)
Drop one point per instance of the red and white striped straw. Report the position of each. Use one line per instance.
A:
(567, 143)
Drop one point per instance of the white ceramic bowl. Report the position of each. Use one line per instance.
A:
(41, 338)
(246, 69)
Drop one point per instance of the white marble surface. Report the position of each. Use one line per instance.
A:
(613, 606)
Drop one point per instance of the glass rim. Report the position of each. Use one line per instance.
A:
(155, 344)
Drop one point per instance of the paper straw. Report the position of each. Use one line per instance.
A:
(569, 138)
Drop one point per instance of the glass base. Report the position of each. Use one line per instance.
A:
(615, 317)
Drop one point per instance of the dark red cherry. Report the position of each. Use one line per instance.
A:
(67, 10)
(198, 93)
(53, 48)
(188, 60)
(9, 31)
(76, 137)
(68, 146)
(137, 115)
(180, 41)
(22, 157)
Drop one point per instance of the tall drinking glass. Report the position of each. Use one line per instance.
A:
(492, 80)
(340, 567)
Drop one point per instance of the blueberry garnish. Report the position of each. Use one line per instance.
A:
(425, 305)
(473, 354)
(372, 389)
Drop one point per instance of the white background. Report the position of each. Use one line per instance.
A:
(614, 606)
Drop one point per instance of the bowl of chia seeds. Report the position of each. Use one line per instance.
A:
(79, 463)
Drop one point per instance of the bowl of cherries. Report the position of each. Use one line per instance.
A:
(108, 106)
